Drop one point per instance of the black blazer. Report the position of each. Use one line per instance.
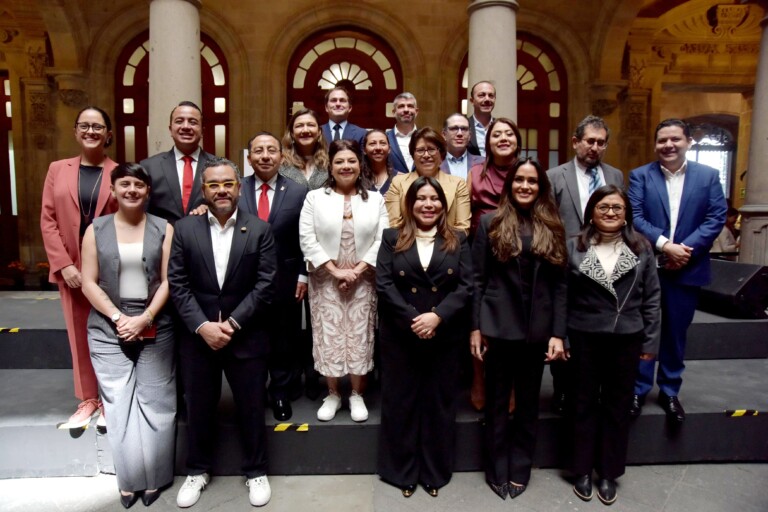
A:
(248, 288)
(165, 197)
(474, 145)
(498, 309)
(626, 303)
(284, 221)
(405, 290)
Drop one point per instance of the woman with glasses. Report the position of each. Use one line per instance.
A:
(125, 262)
(518, 259)
(340, 232)
(485, 183)
(377, 169)
(76, 191)
(614, 319)
(427, 147)
(305, 159)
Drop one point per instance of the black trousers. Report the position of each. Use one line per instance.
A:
(286, 350)
(418, 410)
(510, 444)
(606, 367)
(202, 368)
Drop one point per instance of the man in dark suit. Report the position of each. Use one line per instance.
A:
(176, 173)
(680, 208)
(458, 161)
(572, 184)
(278, 201)
(338, 105)
(221, 274)
(405, 109)
(482, 96)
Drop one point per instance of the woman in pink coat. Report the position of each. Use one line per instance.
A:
(76, 192)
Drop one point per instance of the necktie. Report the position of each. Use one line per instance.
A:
(337, 132)
(594, 183)
(264, 203)
(186, 183)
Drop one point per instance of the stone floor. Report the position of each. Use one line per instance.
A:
(672, 488)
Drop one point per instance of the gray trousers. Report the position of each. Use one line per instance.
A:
(137, 382)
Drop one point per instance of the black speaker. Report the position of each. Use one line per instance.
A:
(738, 290)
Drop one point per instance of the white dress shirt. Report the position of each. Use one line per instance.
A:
(403, 141)
(221, 240)
(270, 193)
(583, 178)
(459, 166)
(180, 163)
(480, 133)
(342, 126)
(675, 182)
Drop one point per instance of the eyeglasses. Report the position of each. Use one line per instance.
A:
(458, 129)
(96, 127)
(214, 186)
(431, 151)
(616, 208)
(601, 143)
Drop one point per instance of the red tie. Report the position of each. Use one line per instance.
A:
(264, 203)
(186, 185)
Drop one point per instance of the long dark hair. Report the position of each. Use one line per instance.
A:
(107, 122)
(489, 160)
(407, 234)
(346, 145)
(366, 167)
(548, 231)
(634, 240)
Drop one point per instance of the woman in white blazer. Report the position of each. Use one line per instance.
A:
(340, 233)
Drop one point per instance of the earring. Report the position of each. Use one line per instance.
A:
(590, 221)
(625, 223)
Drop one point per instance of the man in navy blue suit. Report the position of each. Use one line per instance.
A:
(278, 201)
(405, 109)
(338, 105)
(680, 208)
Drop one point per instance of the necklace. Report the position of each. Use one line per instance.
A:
(93, 191)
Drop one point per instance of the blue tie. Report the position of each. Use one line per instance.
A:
(594, 183)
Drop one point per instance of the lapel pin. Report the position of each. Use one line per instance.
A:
(243, 229)
(282, 188)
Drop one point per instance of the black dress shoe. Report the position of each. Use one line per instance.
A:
(129, 500)
(515, 490)
(673, 407)
(606, 491)
(149, 497)
(432, 491)
(559, 403)
(281, 409)
(637, 406)
(408, 490)
(500, 489)
(583, 487)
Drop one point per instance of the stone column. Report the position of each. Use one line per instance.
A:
(754, 213)
(174, 64)
(493, 50)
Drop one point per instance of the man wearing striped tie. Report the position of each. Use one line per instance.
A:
(572, 185)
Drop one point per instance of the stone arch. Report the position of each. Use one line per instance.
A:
(66, 30)
(613, 22)
(350, 14)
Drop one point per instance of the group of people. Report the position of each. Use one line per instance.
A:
(398, 243)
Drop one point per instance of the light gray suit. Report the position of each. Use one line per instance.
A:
(137, 379)
(566, 191)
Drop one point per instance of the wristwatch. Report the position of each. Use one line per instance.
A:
(115, 317)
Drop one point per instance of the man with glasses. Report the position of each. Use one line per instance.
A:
(458, 161)
(572, 185)
(482, 96)
(221, 274)
(680, 208)
(176, 173)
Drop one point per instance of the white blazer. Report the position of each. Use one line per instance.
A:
(320, 226)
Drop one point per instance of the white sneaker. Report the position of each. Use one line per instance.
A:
(259, 491)
(190, 491)
(357, 408)
(331, 404)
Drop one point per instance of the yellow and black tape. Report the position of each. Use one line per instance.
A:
(295, 427)
(738, 413)
(12, 330)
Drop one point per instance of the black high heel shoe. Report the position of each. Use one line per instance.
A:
(149, 497)
(127, 501)
(500, 489)
(432, 491)
(408, 490)
(515, 490)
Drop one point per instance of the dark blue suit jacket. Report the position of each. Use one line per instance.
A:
(701, 215)
(396, 157)
(284, 220)
(351, 132)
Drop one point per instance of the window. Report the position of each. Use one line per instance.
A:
(713, 146)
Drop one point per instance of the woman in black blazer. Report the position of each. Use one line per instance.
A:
(424, 283)
(518, 319)
(614, 318)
